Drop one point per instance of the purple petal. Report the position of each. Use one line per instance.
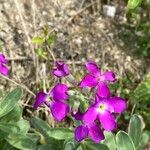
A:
(109, 76)
(118, 104)
(3, 59)
(103, 90)
(88, 81)
(61, 70)
(95, 133)
(93, 68)
(81, 133)
(40, 99)
(98, 99)
(57, 73)
(66, 69)
(107, 121)
(4, 70)
(90, 115)
(59, 110)
(59, 92)
(78, 115)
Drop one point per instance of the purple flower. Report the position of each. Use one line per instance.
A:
(61, 69)
(58, 106)
(3, 68)
(96, 78)
(92, 130)
(103, 109)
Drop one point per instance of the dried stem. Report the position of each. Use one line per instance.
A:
(18, 84)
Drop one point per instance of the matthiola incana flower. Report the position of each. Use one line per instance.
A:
(103, 110)
(61, 69)
(96, 78)
(91, 130)
(58, 106)
(3, 68)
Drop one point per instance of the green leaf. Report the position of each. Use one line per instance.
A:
(135, 129)
(21, 142)
(93, 146)
(144, 139)
(124, 142)
(51, 39)
(110, 140)
(3, 135)
(41, 53)
(133, 4)
(57, 133)
(4, 145)
(60, 133)
(47, 147)
(9, 102)
(13, 115)
(23, 125)
(38, 40)
(142, 92)
(79, 148)
(40, 126)
(9, 128)
(70, 144)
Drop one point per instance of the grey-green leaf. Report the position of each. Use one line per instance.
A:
(9, 102)
(135, 129)
(124, 142)
(93, 146)
(24, 126)
(21, 142)
(40, 125)
(60, 133)
(13, 115)
(110, 140)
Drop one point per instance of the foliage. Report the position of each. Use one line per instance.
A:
(44, 42)
(13, 129)
(138, 28)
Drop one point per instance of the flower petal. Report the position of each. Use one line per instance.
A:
(4, 70)
(103, 90)
(88, 81)
(92, 67)
(61, 69)
(95, 133)
(57, 73)
(107, 121)
(98, 99)
(118, 104)
(59, 110)
(109, 76)
(90, 115)
(40, 99)
(59, 92)
(81, 133)
(3, 59)
(78, 115)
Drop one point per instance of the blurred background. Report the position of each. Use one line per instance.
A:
(114, 33)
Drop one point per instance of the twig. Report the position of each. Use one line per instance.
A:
(93, 7)
(51, 53)
(133, 108)
(79, 12)
(21, 85)
(82, 3)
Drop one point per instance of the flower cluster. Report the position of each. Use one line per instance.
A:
(3, 65)
(99, 115)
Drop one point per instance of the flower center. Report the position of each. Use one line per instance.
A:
(102, 107)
